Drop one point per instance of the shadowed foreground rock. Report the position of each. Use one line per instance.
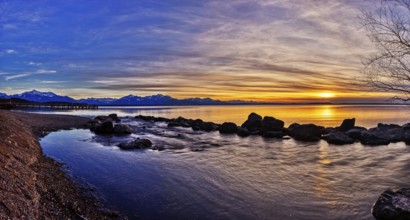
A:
(228, 128)
(32, 186)
(393, 205)
(136, 144)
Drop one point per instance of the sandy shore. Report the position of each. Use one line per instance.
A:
(33, 186)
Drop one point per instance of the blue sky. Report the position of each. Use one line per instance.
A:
(246, 49)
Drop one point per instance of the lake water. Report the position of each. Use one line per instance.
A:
(235, 178)
(325, 115)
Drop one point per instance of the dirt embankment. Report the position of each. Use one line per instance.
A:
(33, 186)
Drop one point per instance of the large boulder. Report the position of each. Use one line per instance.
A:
(347, 124)
(136, 144)
(306, 132)
(254, 122)
(393, 205)
(106, 127)
(392, 133)
(122, 129)
(373, 139)
(243, 132)
(272, 124)
(337, 138)
(101, 118)
(228, 128)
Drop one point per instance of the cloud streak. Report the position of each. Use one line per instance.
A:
(221, 49)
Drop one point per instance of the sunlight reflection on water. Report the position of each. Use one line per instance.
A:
(325, 115)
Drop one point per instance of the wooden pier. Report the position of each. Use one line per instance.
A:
(18, 104)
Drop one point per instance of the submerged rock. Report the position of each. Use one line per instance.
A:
(228, 128)
(253, 123)
(122, 129)
(393, 205)
(272, 124)
(306, 132)
(337, 138)
(136, 144)
(347, 124)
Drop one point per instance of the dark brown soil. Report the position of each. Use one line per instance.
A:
(33, 186)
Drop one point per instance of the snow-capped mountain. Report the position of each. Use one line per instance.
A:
(37, 96)
(97, 101)
(130, 100)
(3, 96)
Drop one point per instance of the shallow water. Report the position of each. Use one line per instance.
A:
(233, 178)
(325, 115)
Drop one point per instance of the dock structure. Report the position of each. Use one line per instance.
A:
(46, 105)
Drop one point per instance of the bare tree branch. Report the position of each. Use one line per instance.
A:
(389, 29)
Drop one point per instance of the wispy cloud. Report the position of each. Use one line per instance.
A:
(227, 49)
(20, 75)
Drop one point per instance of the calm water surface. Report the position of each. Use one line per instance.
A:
(326, 115)
(233, 178)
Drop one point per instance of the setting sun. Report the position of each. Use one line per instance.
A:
(326, 95)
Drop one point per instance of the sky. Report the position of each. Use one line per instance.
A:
(263, 50)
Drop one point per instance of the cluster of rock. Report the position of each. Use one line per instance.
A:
(270, 127)
(195, 124)
(393, 205)
(109, 125)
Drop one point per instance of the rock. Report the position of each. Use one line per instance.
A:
(253, 123)
(101, 118)
(208, 126)
(355, 133)
(372, 139)
(228, 128)
(114, 117)
(122, 129)
(392, 133)
(382, 126)
(136, 144)
(406, 137)
(243, 132)
(307, 132)
(393, 205)
(291, 128)
(272, 124)
(406, 126)
(106, 127)
(347, 124)
(174, 124)
(338, 138)
(329, 130)
(273, 134)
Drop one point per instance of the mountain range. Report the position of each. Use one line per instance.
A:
(130, 100)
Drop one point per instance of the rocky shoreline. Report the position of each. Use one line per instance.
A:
(33, 186)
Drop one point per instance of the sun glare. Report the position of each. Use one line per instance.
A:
(326, 95)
